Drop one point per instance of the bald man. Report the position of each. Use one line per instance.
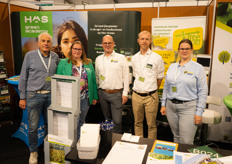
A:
(112, 75)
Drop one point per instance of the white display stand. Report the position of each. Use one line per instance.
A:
(65, 95)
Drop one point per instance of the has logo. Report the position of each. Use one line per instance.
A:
(35, 19)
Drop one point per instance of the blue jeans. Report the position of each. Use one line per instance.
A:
(181, 120)
(36, 104)
(111, 105)
(84, 110)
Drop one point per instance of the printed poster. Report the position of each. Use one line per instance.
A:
(168, 32)
(221, 75)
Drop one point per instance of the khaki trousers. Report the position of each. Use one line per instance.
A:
(149, 105)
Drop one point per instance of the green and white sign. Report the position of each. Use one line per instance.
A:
(34, 23)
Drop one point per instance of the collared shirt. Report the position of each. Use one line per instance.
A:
(112, 72)
(146, 70)
(33, 73)
(186, 83)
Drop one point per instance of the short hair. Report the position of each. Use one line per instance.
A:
(44, 33)
(186, 41)
(145, 32)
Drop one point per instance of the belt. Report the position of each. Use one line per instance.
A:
(111, 91)
(42, 91)
(145, 94)
(175, 101)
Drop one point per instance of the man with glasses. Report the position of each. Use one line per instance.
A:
(148, 70)
(35, 88)
(112, 76)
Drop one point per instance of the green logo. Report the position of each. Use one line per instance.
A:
(34, 23)
(224, 57)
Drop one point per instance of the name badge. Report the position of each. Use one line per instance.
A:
(87, 69)
(174, 89)
(48, 78)
(142, 79)
(188, 73)
(102, 77)
(149, 66)
(114, 61)
(82, 83)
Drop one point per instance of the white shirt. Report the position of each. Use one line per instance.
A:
(112, 72)
(146, 70)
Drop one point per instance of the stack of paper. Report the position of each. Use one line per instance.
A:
(125, 153)
(89, 135)
(60, 124)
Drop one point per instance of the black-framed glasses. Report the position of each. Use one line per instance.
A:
(77, 49)
(107, 43)
(184, 49)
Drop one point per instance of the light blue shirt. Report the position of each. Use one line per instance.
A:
(186, 83)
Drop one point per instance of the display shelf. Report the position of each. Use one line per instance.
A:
(5, 110)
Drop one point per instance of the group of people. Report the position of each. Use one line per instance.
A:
(184, 92)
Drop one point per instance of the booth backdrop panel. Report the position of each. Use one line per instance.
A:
(127, 25)
(123, 26)
(221, 76)
(168, 32)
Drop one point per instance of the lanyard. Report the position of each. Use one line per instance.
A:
(140, 62)
(177, 74)
(79, 71)
(49, 61)
(106, 68)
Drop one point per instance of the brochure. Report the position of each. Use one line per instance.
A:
(163, 150)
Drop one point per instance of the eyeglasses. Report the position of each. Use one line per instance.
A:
(109, 43)
(184, 49)
(77, 49)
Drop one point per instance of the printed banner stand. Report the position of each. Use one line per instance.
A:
(22, 132)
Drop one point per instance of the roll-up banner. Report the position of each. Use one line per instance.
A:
(168, 32)
(221, 76)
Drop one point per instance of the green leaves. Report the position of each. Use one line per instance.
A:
(224, 57)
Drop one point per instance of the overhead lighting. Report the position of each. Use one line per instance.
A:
(84, 3)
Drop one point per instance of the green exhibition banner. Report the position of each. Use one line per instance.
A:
(34, 23)
(221, 72)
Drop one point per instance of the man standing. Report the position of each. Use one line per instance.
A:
(35, 88)
(112, 75)
(148, 70)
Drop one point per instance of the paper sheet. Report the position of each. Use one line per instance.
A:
(125, 153)
(64, 94)
(226, 160)
(60, 124)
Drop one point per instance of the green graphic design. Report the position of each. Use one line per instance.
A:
(224, 16)
(224, 57)
(34, 23)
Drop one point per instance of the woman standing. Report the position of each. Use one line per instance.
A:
(78, 65)
(184, 95)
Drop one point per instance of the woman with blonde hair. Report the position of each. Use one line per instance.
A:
(77, 64)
